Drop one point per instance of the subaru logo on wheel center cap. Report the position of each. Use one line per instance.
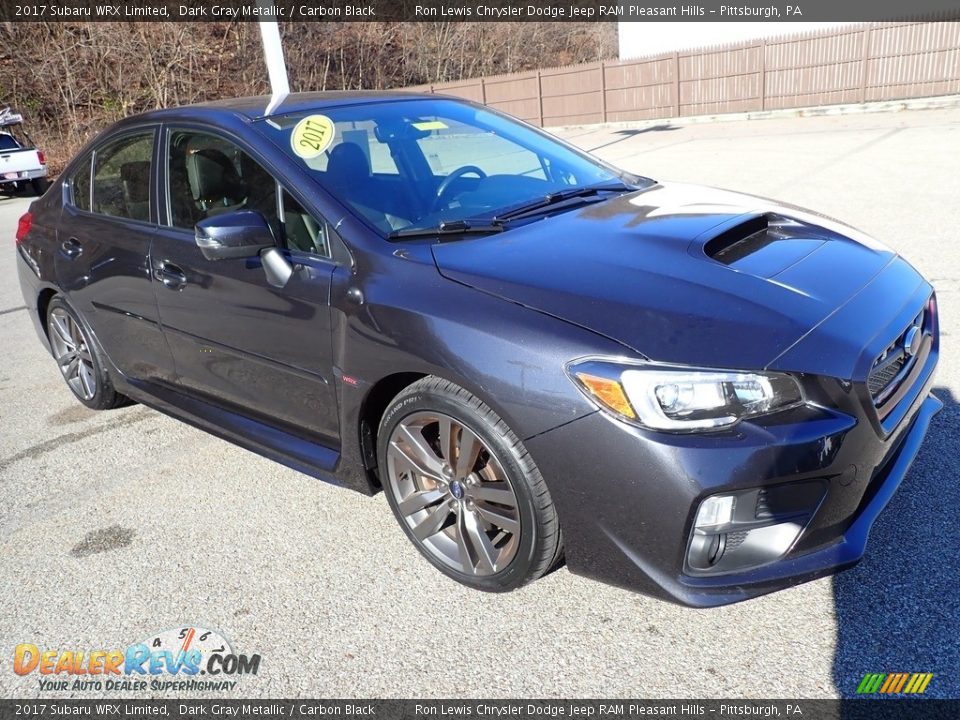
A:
(456, 489)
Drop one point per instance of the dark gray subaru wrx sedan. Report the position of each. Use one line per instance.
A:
(692, 393)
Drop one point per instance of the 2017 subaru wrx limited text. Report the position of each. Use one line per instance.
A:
(692, 393)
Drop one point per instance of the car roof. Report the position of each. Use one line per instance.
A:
(251, 108)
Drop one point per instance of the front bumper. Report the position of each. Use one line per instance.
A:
(627, 497)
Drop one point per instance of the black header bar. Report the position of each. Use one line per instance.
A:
(476, 10)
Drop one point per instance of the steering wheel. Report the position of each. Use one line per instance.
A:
(445, 184)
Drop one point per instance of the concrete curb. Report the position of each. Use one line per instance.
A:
(931, 103)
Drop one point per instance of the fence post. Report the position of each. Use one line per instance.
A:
(603, 91)
(676, 82)
(540, 98)
(763, 74)
(864, 60)
(483, 91)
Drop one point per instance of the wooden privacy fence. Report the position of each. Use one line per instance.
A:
(862, 63)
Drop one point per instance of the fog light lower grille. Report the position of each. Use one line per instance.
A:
(742, 530)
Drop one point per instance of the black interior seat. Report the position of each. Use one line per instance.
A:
(348, 170)
(215, 185)
(135, 181)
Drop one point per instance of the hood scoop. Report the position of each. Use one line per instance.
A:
(764, 245)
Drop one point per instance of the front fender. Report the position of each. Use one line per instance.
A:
(509, 356)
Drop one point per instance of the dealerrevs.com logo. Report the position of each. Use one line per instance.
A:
(182, 659)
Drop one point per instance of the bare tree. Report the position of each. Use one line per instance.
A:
(83, 76)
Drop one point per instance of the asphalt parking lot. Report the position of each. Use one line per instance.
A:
(115, 526)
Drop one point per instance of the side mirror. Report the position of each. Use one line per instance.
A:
(239, 234)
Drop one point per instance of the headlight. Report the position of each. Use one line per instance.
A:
(667, 398)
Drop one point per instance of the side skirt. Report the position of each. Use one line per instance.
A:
(301, 455)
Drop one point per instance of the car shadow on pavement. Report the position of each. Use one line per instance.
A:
(10, 194)
(898, 611)
(632, 132)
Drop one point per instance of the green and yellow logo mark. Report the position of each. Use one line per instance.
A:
(894, 683)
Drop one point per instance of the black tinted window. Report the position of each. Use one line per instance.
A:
(209, 176)
(121, 183)
(80, 186)
(8, 143)
(301, 230)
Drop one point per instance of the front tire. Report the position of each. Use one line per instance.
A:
(79, 359)
(465, 490)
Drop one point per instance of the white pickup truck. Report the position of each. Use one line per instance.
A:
(20, 161)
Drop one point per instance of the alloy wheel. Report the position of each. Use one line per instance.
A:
(73, 354)
(453, 494)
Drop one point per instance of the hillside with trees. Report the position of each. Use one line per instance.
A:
(71, 80)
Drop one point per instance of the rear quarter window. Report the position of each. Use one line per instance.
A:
(80, 186)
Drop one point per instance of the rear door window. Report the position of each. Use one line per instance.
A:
(121, 181)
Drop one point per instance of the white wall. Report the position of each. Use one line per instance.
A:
(652, 38)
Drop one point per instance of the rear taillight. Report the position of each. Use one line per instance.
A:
(42, 157)
(23, 227)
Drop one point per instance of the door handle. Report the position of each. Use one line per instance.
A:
(71, 248)
(171, 276)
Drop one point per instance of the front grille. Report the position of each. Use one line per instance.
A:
(893, 362)
(883, 375)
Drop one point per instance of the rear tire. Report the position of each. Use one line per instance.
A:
(40, 186)
(465, 490)
(80, 359)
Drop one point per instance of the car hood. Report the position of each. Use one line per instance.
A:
(678, 273)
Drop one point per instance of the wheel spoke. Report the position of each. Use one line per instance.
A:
(446, 439)
(433, 523)
(62, 331)
(468, 448)
(74, 331)
(503, 519)
(64, 360)
(422, 454)
(72, 368)
(87, 380)
(417, 501)
(405, 464)
(477, 553)
(412, 460)
(498, 492)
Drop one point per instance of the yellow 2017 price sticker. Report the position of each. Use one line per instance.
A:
(311, 136)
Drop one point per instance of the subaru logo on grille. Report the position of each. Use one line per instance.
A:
(911, 341)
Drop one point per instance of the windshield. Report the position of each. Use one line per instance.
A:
(412, 164)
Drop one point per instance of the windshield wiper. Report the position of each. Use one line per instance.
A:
(450, 227)
(559, 196)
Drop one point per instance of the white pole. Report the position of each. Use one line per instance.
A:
(273, 54)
